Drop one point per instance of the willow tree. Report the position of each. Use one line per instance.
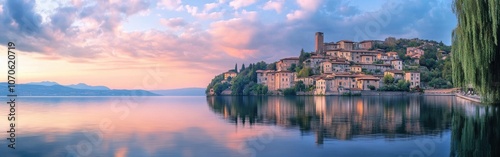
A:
(475, 48)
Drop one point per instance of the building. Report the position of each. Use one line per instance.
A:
(363, 82)
(346, 44)
(355, 56)
(324, 85)
(375, 67)
(396, 74)
(356, 68)
(319, 42)
(382, 56)
(230, 73)
(413, 78)
(392, 55)
(367, 58)
(397, 64)
(308, 81)
(275, 80)
(368, 44)
(286, 63)
(414, 52)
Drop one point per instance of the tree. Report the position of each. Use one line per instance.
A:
(305, 72)
(236, 67)
(242, 67)
(388, 79)
(300, 86)
(271, 66)
(371, 87)
(476, 47)
(292, 67)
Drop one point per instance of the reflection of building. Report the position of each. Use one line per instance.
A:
(341, 118)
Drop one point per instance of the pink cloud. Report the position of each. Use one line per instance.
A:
(274, 5)
(233, 37)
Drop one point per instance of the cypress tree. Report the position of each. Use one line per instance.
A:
(475, 47)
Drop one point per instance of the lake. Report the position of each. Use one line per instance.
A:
(398, 126)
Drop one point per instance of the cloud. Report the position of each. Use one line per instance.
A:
(236, 4)
(173, 22)
(169, 4)
(274, 5)
(307, 7)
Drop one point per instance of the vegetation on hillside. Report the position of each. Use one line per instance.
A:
(434, 71)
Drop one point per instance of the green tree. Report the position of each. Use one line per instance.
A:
(236, 67)
(271, 66)
(305, 72)
(300, 86)
(476, 51)
(242, 67)
(388, 79)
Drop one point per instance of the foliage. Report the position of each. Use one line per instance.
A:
(215, 80)
(292, 67)
(305, 72)
(388, 79)
(440, 83)
(245, 82)
(289, 92)
(271, 66)
(236, 67)
(300, 86)
(220, 87)
(476, 51)
(400, 85)
(242, 67)
(371, 87)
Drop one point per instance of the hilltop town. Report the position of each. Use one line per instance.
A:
(344, 68)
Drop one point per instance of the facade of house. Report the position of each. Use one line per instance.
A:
(413, 78)
(397, 64)
(356, 68)
(363, 82)
(396, 74)
(414, 52)
(286, 63)
(230, 73)
(275, 80)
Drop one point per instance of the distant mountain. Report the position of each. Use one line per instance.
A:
(85, 86)
(59, 90)
(75, 86)
(181, 92)
(44, 83)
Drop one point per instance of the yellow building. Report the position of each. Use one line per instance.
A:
(413, 78)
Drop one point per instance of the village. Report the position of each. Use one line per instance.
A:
(340, 68)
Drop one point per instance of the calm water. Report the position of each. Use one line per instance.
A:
(252, 126)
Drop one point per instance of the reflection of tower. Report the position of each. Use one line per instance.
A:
(318, 47)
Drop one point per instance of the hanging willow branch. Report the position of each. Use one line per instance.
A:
(475, 48)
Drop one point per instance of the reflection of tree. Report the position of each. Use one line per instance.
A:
(340, 117)
(477, 134)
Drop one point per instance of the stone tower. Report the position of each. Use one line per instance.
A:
(318, 46)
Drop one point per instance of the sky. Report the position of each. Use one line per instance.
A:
(169, 44)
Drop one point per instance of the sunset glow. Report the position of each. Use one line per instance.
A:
(166, 44)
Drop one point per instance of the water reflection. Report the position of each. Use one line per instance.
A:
(475, 131)
(341, 118)
(234, 126)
